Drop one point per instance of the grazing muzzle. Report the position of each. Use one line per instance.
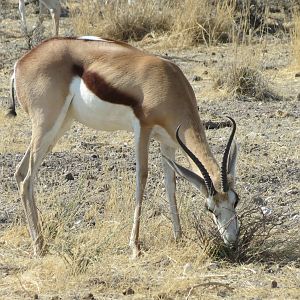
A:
(225, 217)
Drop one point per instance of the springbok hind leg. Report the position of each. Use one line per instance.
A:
(29, 166)
(142, 136)
(170, 183)
(43, 139)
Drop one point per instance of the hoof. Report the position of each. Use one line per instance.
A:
(39, 248)
(136, 251)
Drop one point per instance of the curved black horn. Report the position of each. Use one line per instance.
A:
(225, 186)
(208, 182)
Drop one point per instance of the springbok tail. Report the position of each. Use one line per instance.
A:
(12, 109)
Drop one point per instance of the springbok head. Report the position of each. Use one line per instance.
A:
(221, 204)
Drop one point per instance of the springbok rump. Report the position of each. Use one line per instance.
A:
(52, 5)
(110, 85)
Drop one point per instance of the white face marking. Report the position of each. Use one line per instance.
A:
(93, 38)
(95, 113)
(225, 217)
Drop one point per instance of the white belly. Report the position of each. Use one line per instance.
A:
(95, 113)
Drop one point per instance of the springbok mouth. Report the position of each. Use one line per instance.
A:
(230, 243)
(231, 246)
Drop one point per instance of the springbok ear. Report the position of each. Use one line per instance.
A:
(190, 176)
(232, 161)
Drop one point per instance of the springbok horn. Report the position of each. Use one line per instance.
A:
(208, 182)
(224, 181)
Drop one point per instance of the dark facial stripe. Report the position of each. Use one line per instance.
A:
(106, 91)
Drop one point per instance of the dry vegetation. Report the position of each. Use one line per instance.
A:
(226, 51)
(180, 23)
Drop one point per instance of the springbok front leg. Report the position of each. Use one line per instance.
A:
(170, 183)
(142, 136)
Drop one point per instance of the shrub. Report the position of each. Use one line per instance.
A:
(246, 83)
(120, 20)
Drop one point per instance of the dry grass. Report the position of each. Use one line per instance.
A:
(243, 78)
(120, 20)
(203, 22)
(263, 236)
(88, 252)
(179, 23)
(17, 131)
(246, 83)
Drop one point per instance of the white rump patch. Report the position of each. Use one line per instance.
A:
(93, 38)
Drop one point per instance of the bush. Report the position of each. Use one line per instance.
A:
(246, 83)
(120, 20)
(187, 22)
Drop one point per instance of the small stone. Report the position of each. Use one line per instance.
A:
(128, 291)
(196, 78)
(163, 296)
(297, 74)
(274, 284)
(266, 211)
(89, 296)
(69, 176)
(187, 268)
(36, 296)
(213, 266)
(258, 200)
(222, 294)
(110, 168)
(3, 218)
(96, 281)
(282, 114)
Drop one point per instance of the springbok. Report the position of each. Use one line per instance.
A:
(52, 5)
(110, 85)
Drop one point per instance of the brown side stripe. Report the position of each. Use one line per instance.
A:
(106, 91)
